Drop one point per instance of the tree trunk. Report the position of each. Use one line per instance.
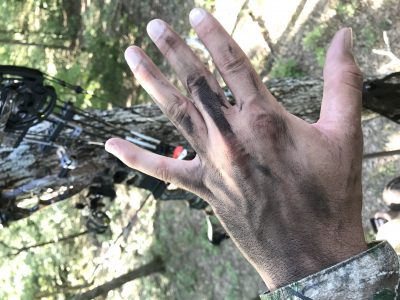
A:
(154, 266)
(73, 20)
(27, 170)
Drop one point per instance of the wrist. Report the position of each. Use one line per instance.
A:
(380, 259)
(302, 255)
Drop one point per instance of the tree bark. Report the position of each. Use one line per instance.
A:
(156, 265)
(28, 169)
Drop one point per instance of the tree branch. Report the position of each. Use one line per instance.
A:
(156, 265)
(14, 42)
(240, 13)
(264, 31)
(27, 248)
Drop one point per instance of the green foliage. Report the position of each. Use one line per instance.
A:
(347, 9)
(286, 68)
(369, 236)
(320, 56)
(314, 38)
(385, 294)
(315, 41)
(84, 47)
(54, 270)
(207, 4)
(39, 270)
(369, 36)
(233, 292)
(388, 169)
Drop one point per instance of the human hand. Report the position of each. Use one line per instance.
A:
(287, 192)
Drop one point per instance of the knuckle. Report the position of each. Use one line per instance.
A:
(351, 70)
(232, 63)
(348, 74)
(273, 126)
(344, 75)
(352, 77)
(264, 122)
(176, 109)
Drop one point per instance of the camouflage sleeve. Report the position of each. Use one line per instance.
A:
(373, 274)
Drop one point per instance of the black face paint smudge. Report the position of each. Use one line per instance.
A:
(150, 70)
(254, 81)
(188, 124)
(315, 196)
(186, 121)
(212, 101)
(171, 42)
(230, 49)
(280, 133)
(264, 170)
(221, 100)
(352, 180)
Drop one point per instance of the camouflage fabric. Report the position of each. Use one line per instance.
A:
(373, 274)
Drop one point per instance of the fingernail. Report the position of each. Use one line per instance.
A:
(132, 57)
(155, 28)
(196, 16)
(348, 43)
(109, 146)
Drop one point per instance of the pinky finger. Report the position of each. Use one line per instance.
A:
(179, 172)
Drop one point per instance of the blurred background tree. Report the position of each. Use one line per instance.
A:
(83, 41)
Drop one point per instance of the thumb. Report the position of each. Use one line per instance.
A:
(182, 173)
(342, 97)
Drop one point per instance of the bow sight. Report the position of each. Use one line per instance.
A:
(26, 101)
